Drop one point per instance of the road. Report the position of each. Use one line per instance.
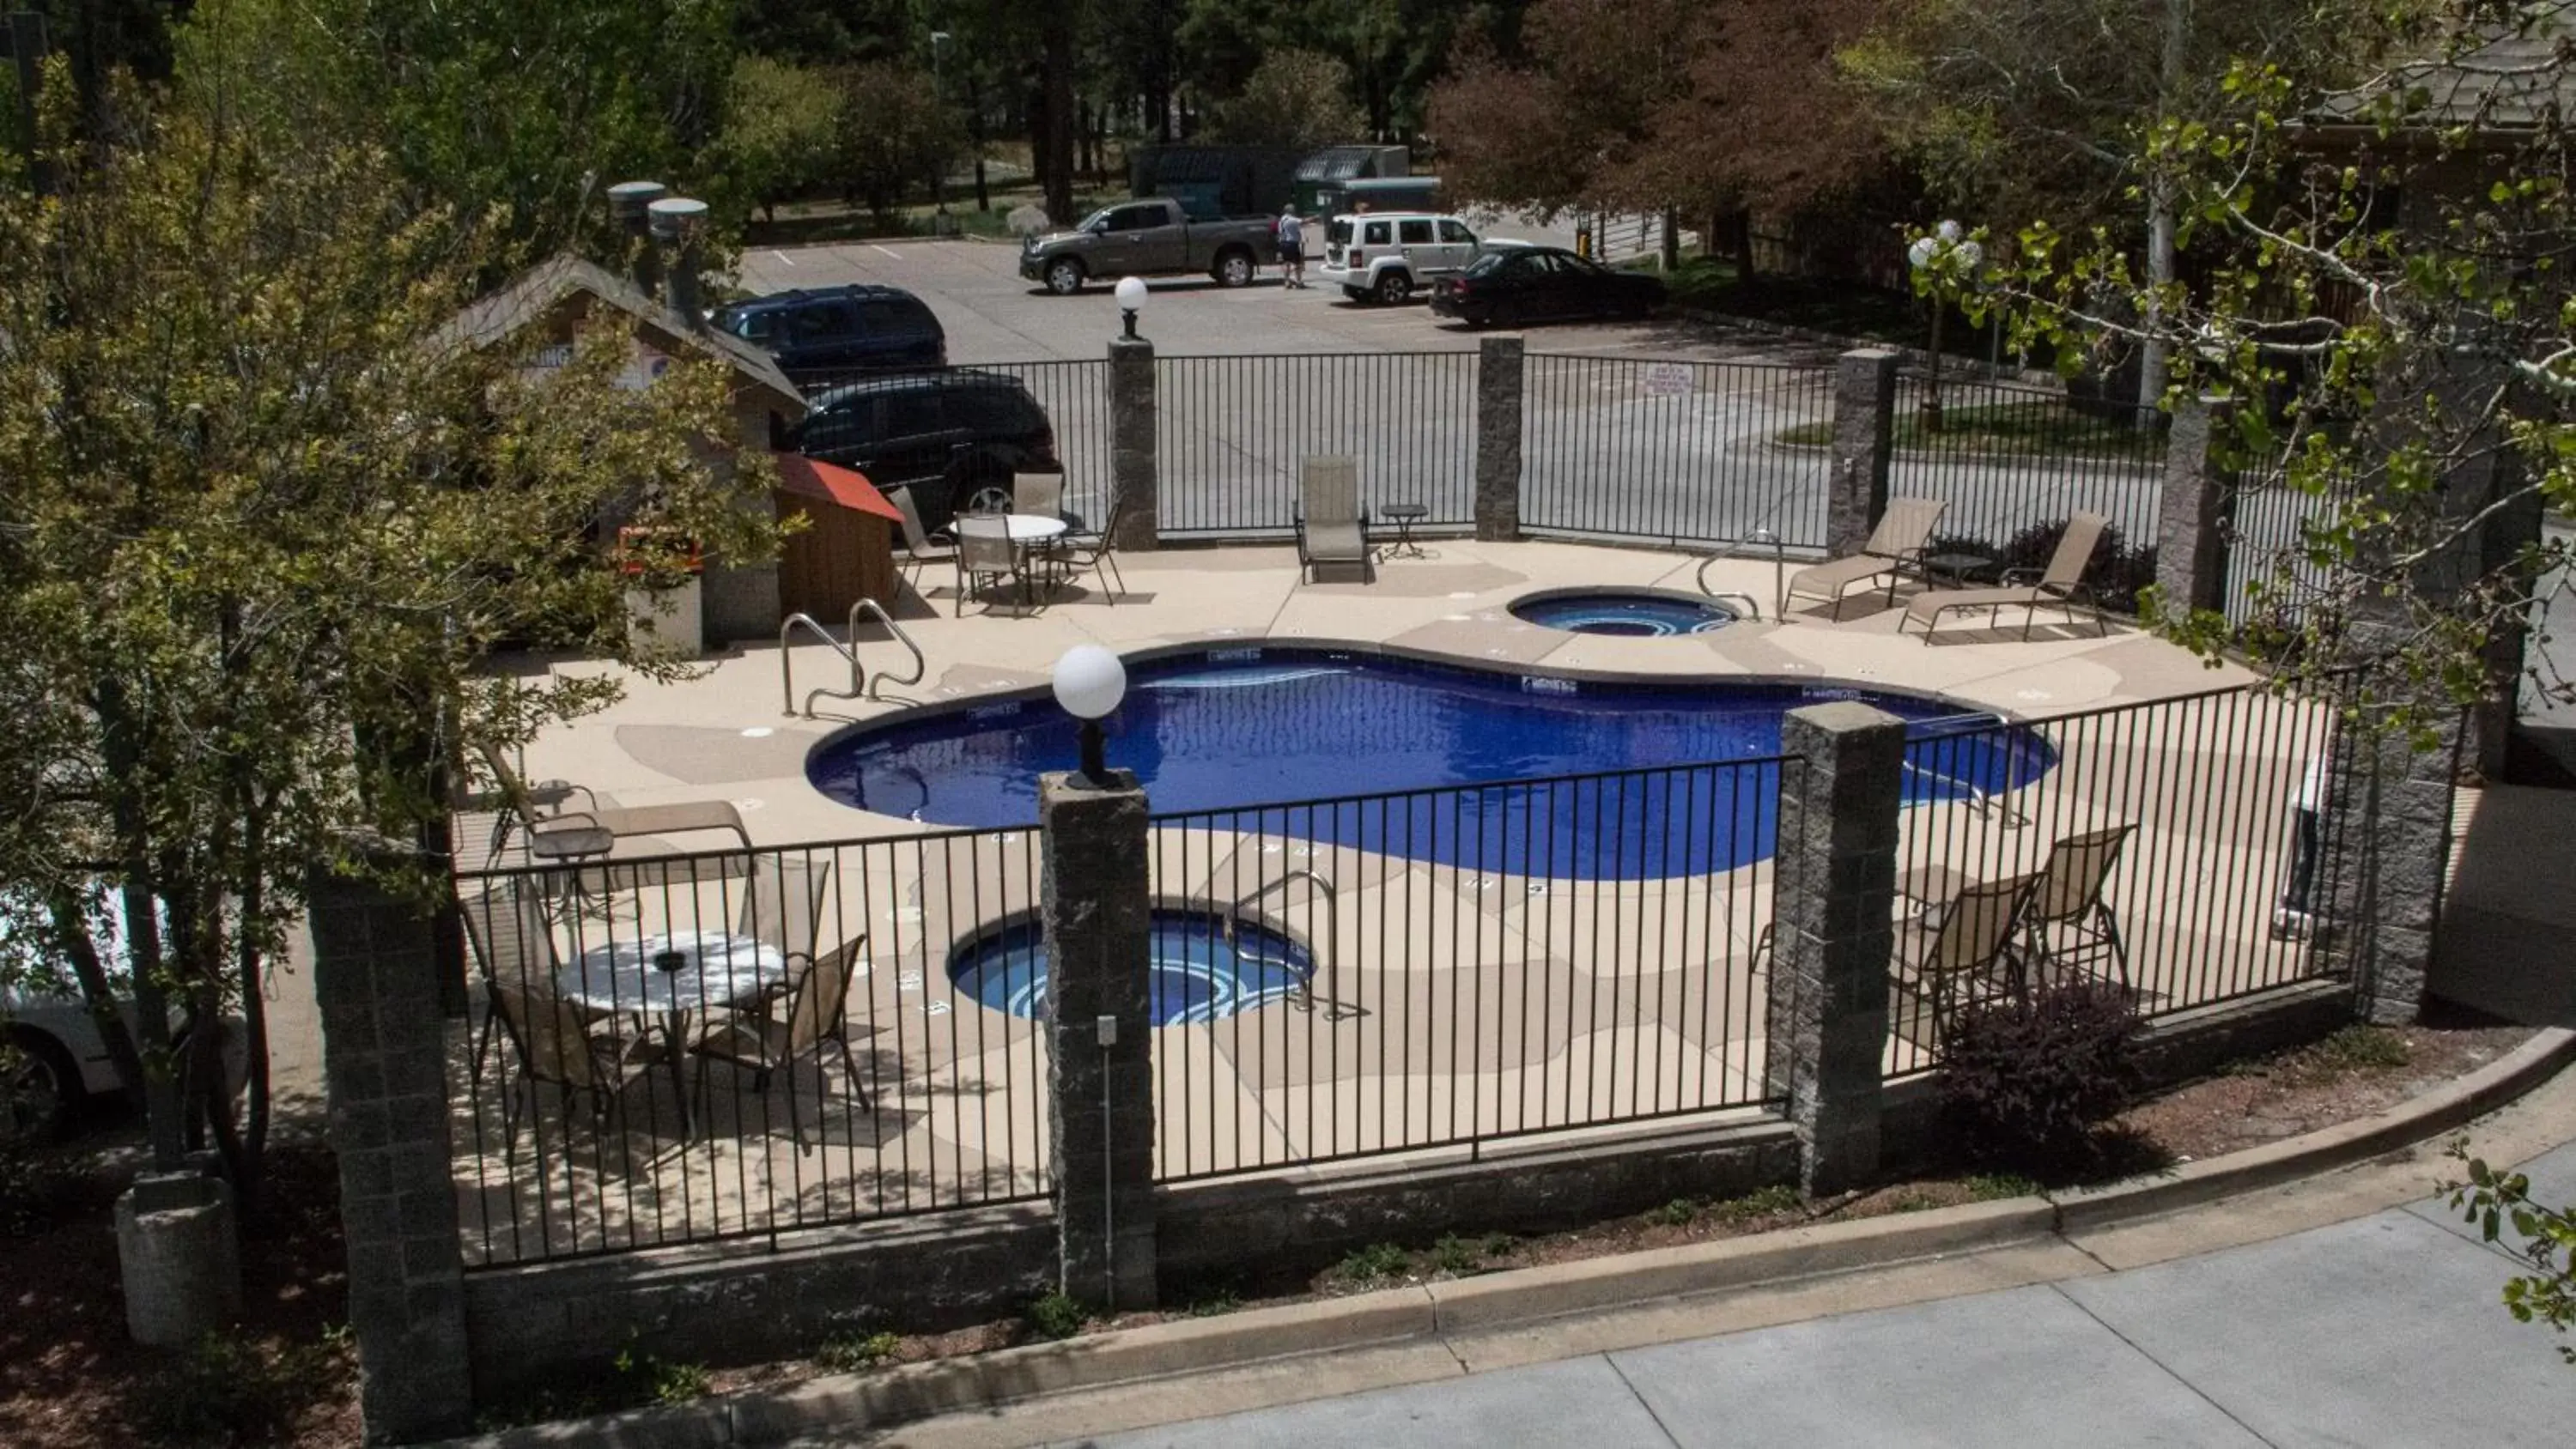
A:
(1663, 430)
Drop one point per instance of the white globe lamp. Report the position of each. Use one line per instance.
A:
(1089, 682)
(1131, 300)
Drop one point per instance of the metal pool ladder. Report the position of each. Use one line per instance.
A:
(1762, 533)
(1306, 983)
(860, 685)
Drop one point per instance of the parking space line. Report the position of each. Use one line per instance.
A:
(872, 246)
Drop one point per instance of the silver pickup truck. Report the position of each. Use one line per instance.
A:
(1152, 237)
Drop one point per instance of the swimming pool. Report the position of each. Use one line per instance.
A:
(1200, 969)
(1632, 780)
(1634, 613)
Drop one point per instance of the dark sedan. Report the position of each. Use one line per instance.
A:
(1513, 285)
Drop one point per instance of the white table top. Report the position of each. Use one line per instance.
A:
(1032, 527)
(720, 970)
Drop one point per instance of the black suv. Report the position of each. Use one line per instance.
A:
(945, 435)
(840, 329)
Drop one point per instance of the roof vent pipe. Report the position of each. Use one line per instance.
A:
(628, 206)
(678, 222)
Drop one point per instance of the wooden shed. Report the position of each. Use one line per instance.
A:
(845, 552)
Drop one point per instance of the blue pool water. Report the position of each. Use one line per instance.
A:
(1633, 613)
(1674, 779)
(1201, 972)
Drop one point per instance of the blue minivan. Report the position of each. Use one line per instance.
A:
(839, 329)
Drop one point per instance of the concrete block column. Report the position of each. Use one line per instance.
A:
(1500, 364)
(376, 973)
(1096, 899)
(1832, 933)
(2385, 834)
(2191, 551)
(1134, 469)
(1864, 437)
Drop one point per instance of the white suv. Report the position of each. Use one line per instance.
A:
(1387, 256)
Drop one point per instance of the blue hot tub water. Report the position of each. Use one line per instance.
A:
(1201, 971)
(1431, 747)
(1635, 614)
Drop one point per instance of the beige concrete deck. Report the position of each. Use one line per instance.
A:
(1451, 1006)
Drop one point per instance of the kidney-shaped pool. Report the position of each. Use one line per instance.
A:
(1631, 780)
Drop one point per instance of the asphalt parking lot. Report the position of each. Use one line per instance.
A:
(992, 315)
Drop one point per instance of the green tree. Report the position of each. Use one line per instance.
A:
(266, 522)
(781, 131)
(1296, 98)
(895, 133)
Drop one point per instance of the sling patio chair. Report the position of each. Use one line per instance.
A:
(985, 552)
(1961, 950)
(1095, 550)
(1331, 528)
(920, 545)
(557, 1043)
(1040, 495)
(579, 827)
(766, 1039)
(1895, 546)
(782, 907)
(2068, 918)
(2061, 585)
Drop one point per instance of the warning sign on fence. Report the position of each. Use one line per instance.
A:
(1667, 379)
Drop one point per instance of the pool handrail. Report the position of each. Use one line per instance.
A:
(860, 687)
(1319, 948)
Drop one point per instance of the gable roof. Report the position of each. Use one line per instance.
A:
(811, 478)
(497, 316)
(2507, 85)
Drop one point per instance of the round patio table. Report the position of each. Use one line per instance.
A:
(713, 969)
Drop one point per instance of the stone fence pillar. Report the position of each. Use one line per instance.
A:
(376, 975)
(1500, 365)
(1096, 900)
(2199, 495)
(1832, 937)
(1864, 436)
(1135, 477)
(2385, 828)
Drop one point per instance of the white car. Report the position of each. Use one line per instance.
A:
(1388, 256)
(59, 1059)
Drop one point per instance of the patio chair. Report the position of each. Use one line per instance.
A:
(782, 906)
(513, 943)
(1331, 527)
(1961, 950)
(1096, 550)
(2060, 584)
(2067, 915)
(581, 827)
(1038, 494)
(764, 1040)
(1897, 544)
(557, 1043)
(920, 545)
(985, 551)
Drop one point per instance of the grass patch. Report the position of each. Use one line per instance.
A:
(1454, 1254)
(1055, 1315)
(1996, 1186)
(2022, 428)
(1216, 1304)
(1767, 1202)
(1377, 1260)
(1681, 1212)
(1912, 1202)
(851, 1353)
(2354, 1049)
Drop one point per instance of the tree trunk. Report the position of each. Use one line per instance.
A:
(1055, 156)
(2160, 222)
(1739, 231)
(98, 993)
(164, 1103)
(1671, 260)
(975, 136)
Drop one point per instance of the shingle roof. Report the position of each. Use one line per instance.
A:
(2513, 82)
(539, 290)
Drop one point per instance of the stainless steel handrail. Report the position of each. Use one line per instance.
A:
(860, 686)
(1779, 570)
(1332, 908)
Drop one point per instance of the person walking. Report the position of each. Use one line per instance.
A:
(1289, 232)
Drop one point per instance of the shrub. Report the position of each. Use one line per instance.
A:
(662, 1382)
(2025, 1081)
(1679, 1213)
(2359, 1047)
(1996, 1186)
(1377, 1260)
(1765, 1202)
(850, 1353)
(227, 1389)
(1056, 1315)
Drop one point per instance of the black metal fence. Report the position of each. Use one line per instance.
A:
(2271, 578)
(1233, 431)
(2173, 848)
(1456, 966)
(1678, 451)
(916, 440)
(2009, 459)
(704, 1047)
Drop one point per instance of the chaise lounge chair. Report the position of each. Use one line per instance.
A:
(1331, 529)
(2061, 585)
(580, 826)
(1904, 531)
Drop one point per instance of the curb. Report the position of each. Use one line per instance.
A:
(917, 1391)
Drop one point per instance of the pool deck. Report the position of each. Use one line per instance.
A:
(1458, 1005)
(685, 741)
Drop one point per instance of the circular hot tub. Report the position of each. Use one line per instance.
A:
(1206, 966)
(1632, 613)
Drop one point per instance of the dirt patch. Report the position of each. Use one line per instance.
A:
(70, 1378)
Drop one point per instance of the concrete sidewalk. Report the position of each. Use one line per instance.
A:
(2382, 1330)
